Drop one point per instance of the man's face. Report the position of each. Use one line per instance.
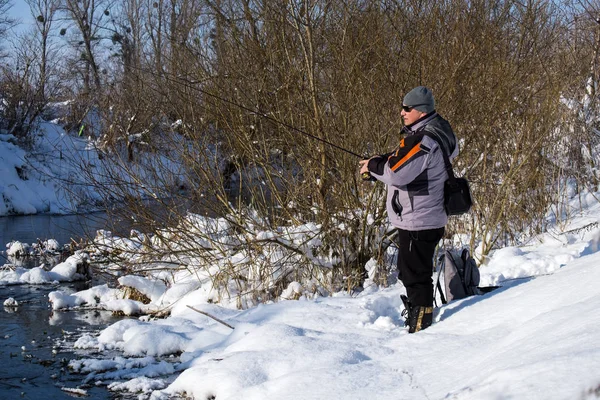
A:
(411, 116)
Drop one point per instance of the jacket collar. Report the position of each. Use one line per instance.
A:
(415, 126)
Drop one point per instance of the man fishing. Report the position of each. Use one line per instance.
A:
(414, 174)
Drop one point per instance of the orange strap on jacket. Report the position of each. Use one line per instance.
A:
(407, 157)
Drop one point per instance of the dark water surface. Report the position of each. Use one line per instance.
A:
(29, 228)
(40, 371)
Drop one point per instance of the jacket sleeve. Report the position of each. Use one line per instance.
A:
(405, 164)
(377, 164)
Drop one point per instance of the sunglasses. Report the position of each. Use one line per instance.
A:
(410, 108)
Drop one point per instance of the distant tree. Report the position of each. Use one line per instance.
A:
(584, 97)
(6, 22)
(31, 77)
(19, 88)
(44, 14)
(88, 18)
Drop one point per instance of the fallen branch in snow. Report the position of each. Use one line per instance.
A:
(211, 316)
(8, 267)
(587, 228)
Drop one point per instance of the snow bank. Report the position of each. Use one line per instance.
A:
(28, 180)
(18, 196)
(10, 302)
(74, 268)
(36, 181)
(534, 347)
(94, 296)
(151, 288)
(535, 337)
(138, 385)
(324, 347)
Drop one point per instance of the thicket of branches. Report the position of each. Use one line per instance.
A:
(228, 90)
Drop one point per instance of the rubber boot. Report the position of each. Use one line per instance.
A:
(417, 318)
(406, 313)
(420, 318)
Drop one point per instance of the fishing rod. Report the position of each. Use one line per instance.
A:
(189, 84)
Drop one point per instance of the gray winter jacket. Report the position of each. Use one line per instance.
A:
(415, 174)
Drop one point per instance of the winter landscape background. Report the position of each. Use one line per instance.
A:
(535, 337)
(231, 252)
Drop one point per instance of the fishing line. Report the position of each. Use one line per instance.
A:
(189, 84)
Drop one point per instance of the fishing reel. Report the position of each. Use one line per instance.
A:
(367, 177)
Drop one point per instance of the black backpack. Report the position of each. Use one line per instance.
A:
(460, 276)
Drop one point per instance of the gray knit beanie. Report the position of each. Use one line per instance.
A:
(421, 99)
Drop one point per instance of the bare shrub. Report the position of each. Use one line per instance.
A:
(223, 109)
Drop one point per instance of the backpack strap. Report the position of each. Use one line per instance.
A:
(438, 286)
(462, 271)
(447, 162)
(466, 271)
(470, 281)
(441, 292)
(465, 255)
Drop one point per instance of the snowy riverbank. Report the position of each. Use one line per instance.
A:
(47, 179)
(63, 173)
(535, 337)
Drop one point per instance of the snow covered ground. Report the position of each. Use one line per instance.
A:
(53, 176)
(536, 337)
(531, 339)
(32, 182)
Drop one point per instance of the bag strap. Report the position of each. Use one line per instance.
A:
(438, 286)
(447, 162)
(444, 301)
(467, 271)
(461, 271)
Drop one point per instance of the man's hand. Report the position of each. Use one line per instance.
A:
(364, 166)
(364, 171)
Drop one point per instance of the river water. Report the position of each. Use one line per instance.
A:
(34, 344)
(30, 228)
(34, 340)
